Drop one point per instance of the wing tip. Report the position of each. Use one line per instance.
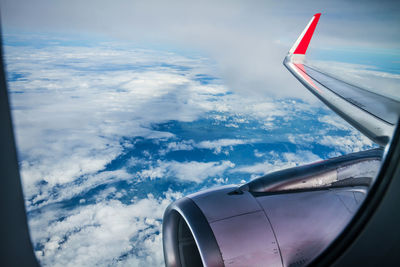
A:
(301, 45)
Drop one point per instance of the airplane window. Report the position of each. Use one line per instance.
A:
(152, 133)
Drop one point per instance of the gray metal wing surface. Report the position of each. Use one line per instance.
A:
(373, 114)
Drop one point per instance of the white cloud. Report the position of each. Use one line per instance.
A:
(192, 171)
(47, 193)
(103, 234)
(334, 122)
(278, 162)
(176, 146)
(75, 118)
(348, 144)
(71, 117)
(198, 171)
(217, 145)
(258, 154)
(78, 111)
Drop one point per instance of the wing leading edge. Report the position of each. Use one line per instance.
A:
(373, 114)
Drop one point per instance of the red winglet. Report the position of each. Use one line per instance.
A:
(303, 45)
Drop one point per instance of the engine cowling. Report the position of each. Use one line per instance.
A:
(285, 218)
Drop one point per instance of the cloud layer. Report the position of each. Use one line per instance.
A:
(108, 135)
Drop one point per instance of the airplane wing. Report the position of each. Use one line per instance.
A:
(372, 114)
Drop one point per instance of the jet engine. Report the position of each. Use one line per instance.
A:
(285, 218)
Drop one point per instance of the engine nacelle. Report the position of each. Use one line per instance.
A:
(285, 218)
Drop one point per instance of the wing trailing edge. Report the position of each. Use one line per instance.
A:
(372, 114)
